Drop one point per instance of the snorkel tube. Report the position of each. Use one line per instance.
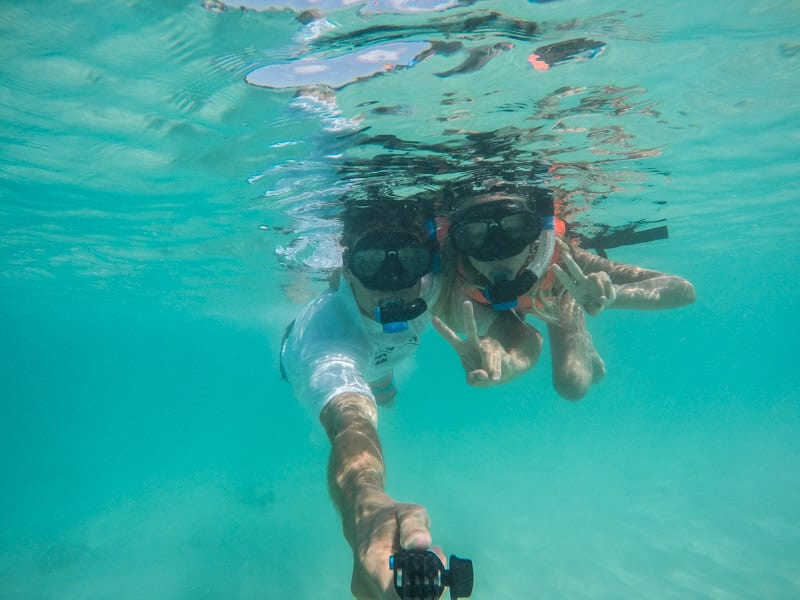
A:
(544, 252)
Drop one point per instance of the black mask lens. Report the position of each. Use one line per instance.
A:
(390, 261)
(415, 260)
(368, 262)
(493, 232)
(521, 228)
(468, 237)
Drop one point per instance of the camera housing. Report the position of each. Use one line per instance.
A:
(420, 575)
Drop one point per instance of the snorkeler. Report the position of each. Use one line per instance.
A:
(507, 258)
(339, 355)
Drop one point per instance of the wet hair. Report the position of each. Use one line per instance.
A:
(373, 216)
(469, 203)
(536, 198)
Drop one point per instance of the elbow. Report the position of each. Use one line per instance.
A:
(571, 383)
(689, 295)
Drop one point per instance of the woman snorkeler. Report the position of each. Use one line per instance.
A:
(507, 257)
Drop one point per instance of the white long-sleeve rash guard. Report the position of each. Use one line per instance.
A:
(333, 348)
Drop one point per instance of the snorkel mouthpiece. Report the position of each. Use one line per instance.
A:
(395, 315)
(503, 292)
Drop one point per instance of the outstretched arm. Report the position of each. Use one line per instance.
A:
(598, 283)
(374, 525)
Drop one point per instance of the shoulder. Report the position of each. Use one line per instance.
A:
(320, 308)
(329, 317)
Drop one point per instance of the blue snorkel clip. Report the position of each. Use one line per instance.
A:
(508, 305)
(390, 326)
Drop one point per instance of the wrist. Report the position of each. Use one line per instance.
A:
(369, 499)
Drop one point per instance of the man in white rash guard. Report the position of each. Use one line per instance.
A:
(339, 355)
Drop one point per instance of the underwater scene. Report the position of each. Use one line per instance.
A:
(173, 180)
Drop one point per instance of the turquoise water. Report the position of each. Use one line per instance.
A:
(161, 221)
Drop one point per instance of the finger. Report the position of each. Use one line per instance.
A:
(605, 287)
(448, 334)
(414, 529)
(565, 248)
(598, 291)
(608, 288)
(477, 378)
(572, 267)
(470, 326)
(493, 361)
(593, 285)
(567, 281)
(595, 306)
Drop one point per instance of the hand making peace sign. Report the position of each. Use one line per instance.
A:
(593, 292)
(485, 360)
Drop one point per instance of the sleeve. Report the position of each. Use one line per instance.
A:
(332, 377)
(322, 357)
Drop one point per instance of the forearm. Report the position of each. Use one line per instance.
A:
(620, 273)
(665, 291)
(638, 288)
(356, 471)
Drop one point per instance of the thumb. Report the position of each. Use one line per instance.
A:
(414, 529)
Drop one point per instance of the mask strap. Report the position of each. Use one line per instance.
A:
(433, 244)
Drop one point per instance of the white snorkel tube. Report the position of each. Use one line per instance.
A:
(546, 243)
(545, 246)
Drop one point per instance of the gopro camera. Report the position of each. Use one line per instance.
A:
(420, 575)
